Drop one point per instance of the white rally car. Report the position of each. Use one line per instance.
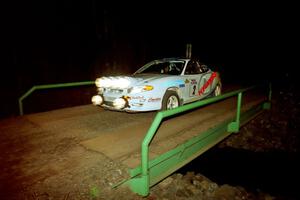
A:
(159, 85)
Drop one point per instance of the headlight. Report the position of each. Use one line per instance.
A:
(139, 89)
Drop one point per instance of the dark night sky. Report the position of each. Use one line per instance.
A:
(65, 41)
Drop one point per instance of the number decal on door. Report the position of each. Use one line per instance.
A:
(194, 89)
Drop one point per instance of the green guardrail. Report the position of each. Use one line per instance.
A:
(151, 172)
(49, 86)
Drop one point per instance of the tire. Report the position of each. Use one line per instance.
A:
(170, 101)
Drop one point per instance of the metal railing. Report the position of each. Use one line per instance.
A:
(49, 86)
(142, 186)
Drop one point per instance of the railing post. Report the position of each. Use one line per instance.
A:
(142, 185)
(20, 100)
(239, 105)
(21, 107)
(235, 126)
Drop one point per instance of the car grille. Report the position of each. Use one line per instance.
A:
(107, 98)
(115, 91)
(108, 103)
(110, 94)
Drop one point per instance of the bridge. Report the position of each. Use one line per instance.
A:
(144, 147)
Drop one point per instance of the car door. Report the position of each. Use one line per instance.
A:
(192, 77)
(205, 83)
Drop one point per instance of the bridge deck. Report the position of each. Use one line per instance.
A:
(124, 144)
(44, 151)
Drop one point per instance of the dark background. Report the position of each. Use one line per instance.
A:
(49, 42)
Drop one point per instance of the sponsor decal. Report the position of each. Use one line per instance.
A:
(140, 98)
(154, 99)
(172, 83)
(137, 97)
(182, 85)
(193, 82)
(186, 81)
(137, 104)
(208, 82)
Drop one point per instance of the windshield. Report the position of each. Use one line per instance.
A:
(167, 67)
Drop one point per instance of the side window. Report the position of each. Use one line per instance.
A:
(193, 68)
(204, 68)
(188, 69)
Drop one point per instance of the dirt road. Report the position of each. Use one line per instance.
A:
(67, 153)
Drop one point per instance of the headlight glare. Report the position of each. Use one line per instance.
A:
(119, 103)
(98, 82)
(97, 100)
(122, 83)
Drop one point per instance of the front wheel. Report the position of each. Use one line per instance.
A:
(170, 100)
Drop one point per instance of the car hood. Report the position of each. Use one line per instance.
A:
(122, 82)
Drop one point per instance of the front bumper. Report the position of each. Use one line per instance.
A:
(137, 103)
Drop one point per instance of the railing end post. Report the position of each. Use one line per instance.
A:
(233, 127)
(140, 185)
(267, 105)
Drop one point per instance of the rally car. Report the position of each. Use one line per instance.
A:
(158, 85)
